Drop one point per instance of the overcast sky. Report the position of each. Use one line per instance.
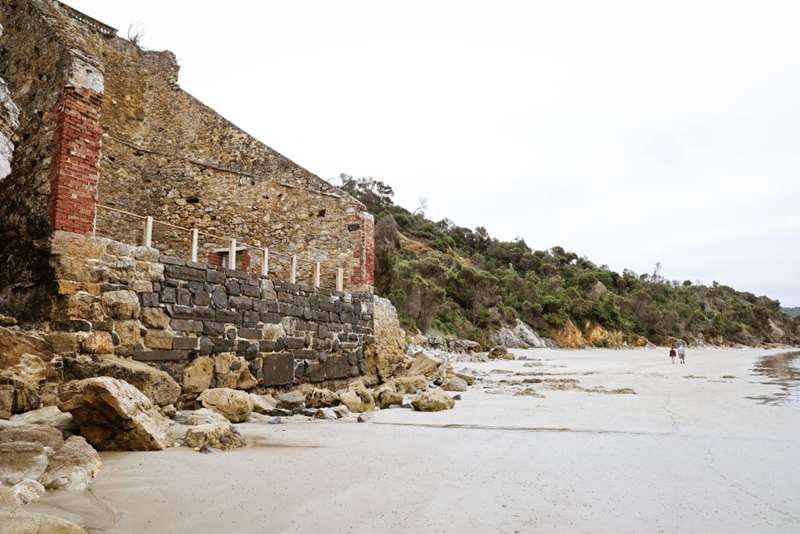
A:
(632, 132)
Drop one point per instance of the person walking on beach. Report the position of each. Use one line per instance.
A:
(682, 354)
(672, 354)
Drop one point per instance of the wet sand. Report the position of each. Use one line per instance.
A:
(691, 451)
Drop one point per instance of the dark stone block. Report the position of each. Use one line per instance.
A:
(159, 355)
(322, 316)
(305, 354)
(273, 307)
(171, 260)
(322, 344)
(301, 301)
(219, 299)
(277, 369)
(315, 372)
(200, 297)
(186, 325)
(185, 273)
(279, 344)
(232, 286)
(293, 343)
(240, 303)
(251, 352)
(323, 332)
(362, 367)
(283, 296)
(215, 277)
(250, 333)
(266, 346)
(352, 358)
(230, 333)
(213, 328)
(308, 314)
(196, 265)
(106, 286)
(173, 282)
(271, 318)
(168, 295)
(150, 300)
(251, 290)
(226, 316)
(259, 305)
(103, 326)
(206, 346)
(336, 366)
(231, 273)
(184, 343)
(250, 319)
(300, 367)
(72, 325)
(323, 356)
(184, 297)
(224, 345)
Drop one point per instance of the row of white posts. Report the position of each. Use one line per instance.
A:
(148, 242)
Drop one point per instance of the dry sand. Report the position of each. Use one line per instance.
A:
(681, 455)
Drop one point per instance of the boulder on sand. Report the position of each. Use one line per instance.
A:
(197, 375)
(22, 459)
(27, 491)
(46, 435)
(358, 398)
(214, 435)
(234, 404)
(113, 415)
(154, 383)
(454, 383)
(203, 416)
(263, 404)
(73, 466)
(293, 401)
(18, 522)
(433, 400)
(500, 353)
(49, 415)
(321, 398)
(423, 365)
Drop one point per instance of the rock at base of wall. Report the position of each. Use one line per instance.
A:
(235, 405)
(73, 466)
(293, 401)
(263, 404)
(154, 383)
(197, 375)
(358, 399)
(49, 415)
(113, 415)
(321, 398)
(454, 383)
(32, 523)
(203, 416)
(423, 365)
(434, 400)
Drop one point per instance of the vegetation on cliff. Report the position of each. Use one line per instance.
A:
(463, 282)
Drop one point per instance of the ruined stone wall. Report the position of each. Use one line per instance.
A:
(167, 155)
(131, 301)
(32, 63)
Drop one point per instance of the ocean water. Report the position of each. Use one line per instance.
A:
(782, 370)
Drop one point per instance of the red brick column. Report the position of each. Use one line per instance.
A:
(362, 234)
(74, 170)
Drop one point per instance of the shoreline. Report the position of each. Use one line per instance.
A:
(687, 451)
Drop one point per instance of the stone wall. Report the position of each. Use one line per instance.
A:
(134, 302)
(102, 121)
(32, 63)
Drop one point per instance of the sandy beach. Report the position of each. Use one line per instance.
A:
(697, 448)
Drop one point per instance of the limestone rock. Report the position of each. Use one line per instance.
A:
(214, 435)
(73, 466)
(25, 376)
(155, 318)
(20, 460)
(235, 405)
(129, 332)
(294, 401)
(121, 304)
(263, 404)
(500, 353)
(113, 415)
(433, 401)
(14, 343)
(197, 375)
(326, 414)
(32, 523)
(27, 491)
(203, 416)
(321, 398)
(154, 383)
(454, 383)
(358, 399)
(46, 435)
(521, 336)
(423, 365)
(97, 343)
(233, 372)
(341, 411)
(388, 398)
(6, 400)
(18, 396)
(410, 384)
(50, 416)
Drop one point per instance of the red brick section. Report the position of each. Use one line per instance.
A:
(74, 170)
(242, 259)
(362, 234)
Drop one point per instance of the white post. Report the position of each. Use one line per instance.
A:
(316, 275)
(94, 222)
(293, 272)
(195, 240)
(265, 265)
(148, 231)
(232, 255)
(339, 279)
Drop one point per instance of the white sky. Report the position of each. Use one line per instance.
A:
(631, 132)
